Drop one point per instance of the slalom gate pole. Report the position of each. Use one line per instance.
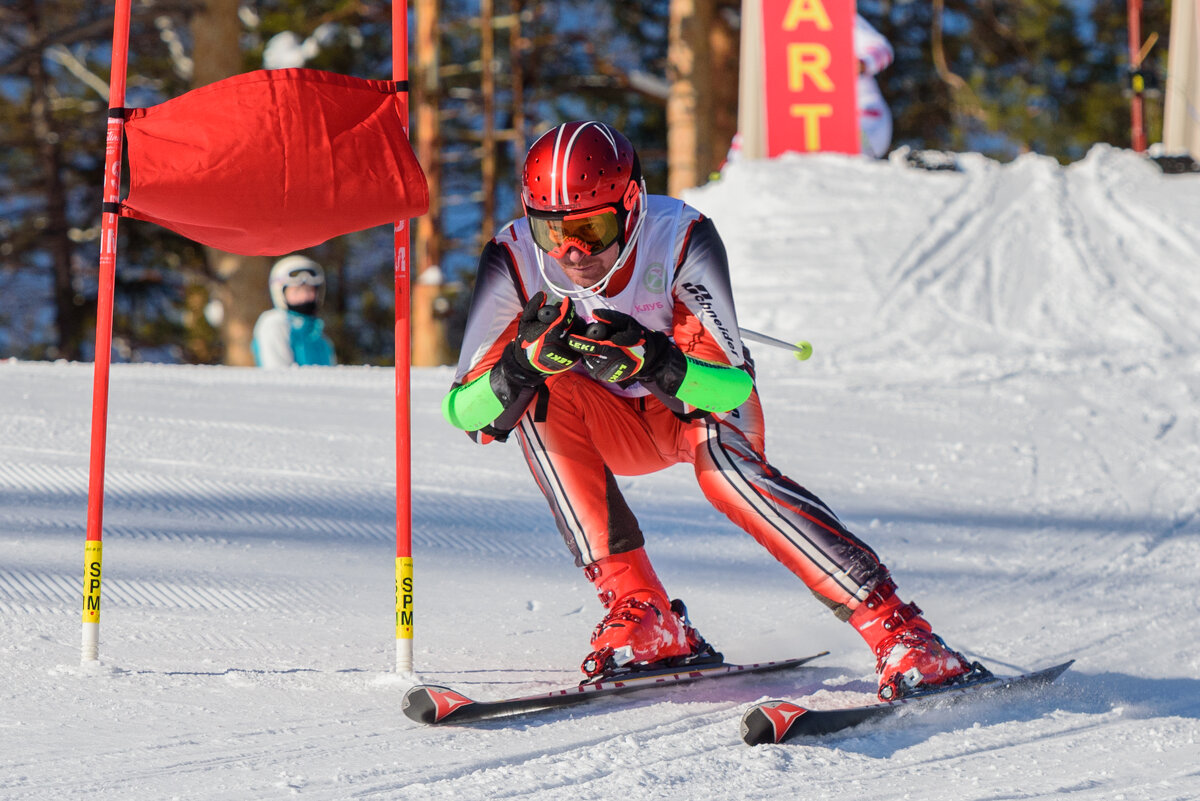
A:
(401, 258)
(802, 349)
(92, 549)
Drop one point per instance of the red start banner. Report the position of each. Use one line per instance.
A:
(810, 76)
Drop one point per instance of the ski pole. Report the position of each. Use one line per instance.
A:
(802, 349)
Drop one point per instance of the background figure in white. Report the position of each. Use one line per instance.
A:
(291, 333)
(874, 54)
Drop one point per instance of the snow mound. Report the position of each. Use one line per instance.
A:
(997, 266)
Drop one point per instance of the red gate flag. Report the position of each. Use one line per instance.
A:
(810, 76)
(274, 161)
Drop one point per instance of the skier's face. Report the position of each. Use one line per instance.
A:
(586, 270)
(299, 294)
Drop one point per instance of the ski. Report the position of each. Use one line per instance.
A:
(779, 721)
(432, 704)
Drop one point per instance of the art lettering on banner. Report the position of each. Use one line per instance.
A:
(810, 76)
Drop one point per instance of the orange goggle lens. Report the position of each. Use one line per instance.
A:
(591, 232)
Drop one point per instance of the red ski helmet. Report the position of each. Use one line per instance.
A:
(574, 170)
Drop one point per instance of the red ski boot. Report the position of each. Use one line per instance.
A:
(909, 656)
(642, 628)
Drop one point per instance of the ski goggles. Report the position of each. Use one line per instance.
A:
(589, 231)
(300, 277)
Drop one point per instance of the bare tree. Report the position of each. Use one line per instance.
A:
(241, 281)
(69, 315)
(702, 105)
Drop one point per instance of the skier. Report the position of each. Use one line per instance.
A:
(874, 54)
(291, 333)
(603, 331)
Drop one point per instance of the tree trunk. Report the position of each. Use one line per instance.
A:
(428, 332)
(68, 312)
(724, 56)
(241, 280)
(689, 104)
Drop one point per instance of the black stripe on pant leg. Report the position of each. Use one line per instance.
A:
(624, 533)
(812, 548)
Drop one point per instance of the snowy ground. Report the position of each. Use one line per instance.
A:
(1004, 401)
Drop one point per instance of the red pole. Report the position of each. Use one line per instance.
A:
(401, 260)
(1137, 122)
(104, 315)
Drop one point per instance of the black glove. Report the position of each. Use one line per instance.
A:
(617, 349)
(540, 346)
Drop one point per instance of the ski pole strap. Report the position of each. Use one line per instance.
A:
(714, 387)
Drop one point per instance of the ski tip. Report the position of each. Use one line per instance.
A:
(1053, 673)
(431, 704)
(804, 660)
(769, 722)
(1043, 676)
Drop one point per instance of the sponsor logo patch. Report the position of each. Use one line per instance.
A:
(655, 278)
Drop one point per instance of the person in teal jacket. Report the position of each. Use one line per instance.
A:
(291, 333)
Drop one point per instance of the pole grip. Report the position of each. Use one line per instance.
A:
(596, 330)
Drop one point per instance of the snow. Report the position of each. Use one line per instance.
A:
(1003, 401)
